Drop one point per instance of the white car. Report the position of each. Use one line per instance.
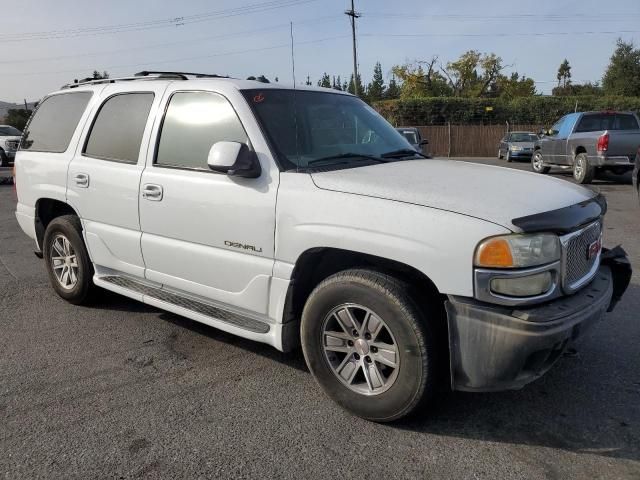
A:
(9, 141)
(301, 217)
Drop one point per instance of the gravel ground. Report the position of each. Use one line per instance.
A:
(122, 390)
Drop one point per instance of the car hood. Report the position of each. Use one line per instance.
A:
(491, 193)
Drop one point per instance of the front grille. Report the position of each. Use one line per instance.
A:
(12, 144)
(579, 265)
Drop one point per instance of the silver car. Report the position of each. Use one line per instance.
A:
(517, 146)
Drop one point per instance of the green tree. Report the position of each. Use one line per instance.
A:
(575, 89)
(336, 83)
(376, 88)
(421, 79)
(622, 76)
(564, 74)
(474, 74)
(393, 90)
(17, 117)
(351, 89)
(514, 86)
(325, 81)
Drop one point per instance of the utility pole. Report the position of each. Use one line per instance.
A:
(353, 14)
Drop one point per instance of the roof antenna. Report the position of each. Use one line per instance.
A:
(293, 61)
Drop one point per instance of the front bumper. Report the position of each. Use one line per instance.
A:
(521, 154)
(500, 348)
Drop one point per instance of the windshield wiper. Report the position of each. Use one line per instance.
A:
(348, 155)
(403, 152)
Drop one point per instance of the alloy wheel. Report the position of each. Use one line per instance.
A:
(360, 349)
(64, 262)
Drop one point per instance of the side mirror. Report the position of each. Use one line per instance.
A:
(424, 142)
(234, 159)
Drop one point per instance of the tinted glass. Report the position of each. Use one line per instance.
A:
(607, 121)
(55, 120)
(523, 137)
(307, 127)
(117, 130)
(411, 137)
(193, 123)
(9, 131)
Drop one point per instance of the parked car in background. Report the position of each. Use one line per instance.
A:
(9, 141)
(589, 142)
(517, 146)
(412, 134)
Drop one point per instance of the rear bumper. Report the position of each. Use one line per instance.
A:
(498, 348)
(612, 161)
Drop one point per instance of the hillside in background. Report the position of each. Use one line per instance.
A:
(6, 106)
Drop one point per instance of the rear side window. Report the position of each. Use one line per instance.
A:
(193, 123)
(607, 121)
(117, 131)
(55, 120)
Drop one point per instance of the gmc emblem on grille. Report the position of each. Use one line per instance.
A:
(593, 249)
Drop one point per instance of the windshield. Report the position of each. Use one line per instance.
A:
(306, 127)
(410, 136)
(7, 131)
(523, 137)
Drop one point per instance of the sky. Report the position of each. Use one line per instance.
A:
(46, 43)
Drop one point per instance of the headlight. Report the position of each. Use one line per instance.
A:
(515, 148)
(518, 251)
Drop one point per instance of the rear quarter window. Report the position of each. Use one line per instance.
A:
(54, 122)
(607, 121)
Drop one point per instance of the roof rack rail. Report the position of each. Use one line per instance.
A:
(98, 81)
(146, 73)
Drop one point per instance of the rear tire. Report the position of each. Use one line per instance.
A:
(499, 154)
(537, 164)
(4, 160)
(67, 260)
(583, 173)
(360, 321)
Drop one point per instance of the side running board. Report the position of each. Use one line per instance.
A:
(188, 303)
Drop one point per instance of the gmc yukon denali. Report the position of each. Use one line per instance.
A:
(300, 217)
(589, 143)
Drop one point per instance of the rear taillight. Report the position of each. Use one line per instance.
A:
(603, 142)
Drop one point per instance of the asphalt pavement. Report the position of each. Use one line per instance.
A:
(123, 390)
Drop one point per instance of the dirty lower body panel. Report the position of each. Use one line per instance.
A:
(501, 348)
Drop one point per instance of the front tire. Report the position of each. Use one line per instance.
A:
(368, 345)
(583, 172)
(67, 260)
(508, 157)
(537, 163)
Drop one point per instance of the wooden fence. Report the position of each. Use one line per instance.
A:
(468, 140)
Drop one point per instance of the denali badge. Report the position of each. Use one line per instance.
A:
(594, 249)
(243, 246)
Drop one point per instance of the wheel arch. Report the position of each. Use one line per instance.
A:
(316, 264)
(46, 210)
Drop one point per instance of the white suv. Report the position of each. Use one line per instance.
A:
(302, 217)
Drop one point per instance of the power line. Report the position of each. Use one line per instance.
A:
(169, 44)
(181, 59)
(164, 23)
(499, 34)
(522, 16)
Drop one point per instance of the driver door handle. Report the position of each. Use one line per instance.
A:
(82, 180)
(152, 192)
